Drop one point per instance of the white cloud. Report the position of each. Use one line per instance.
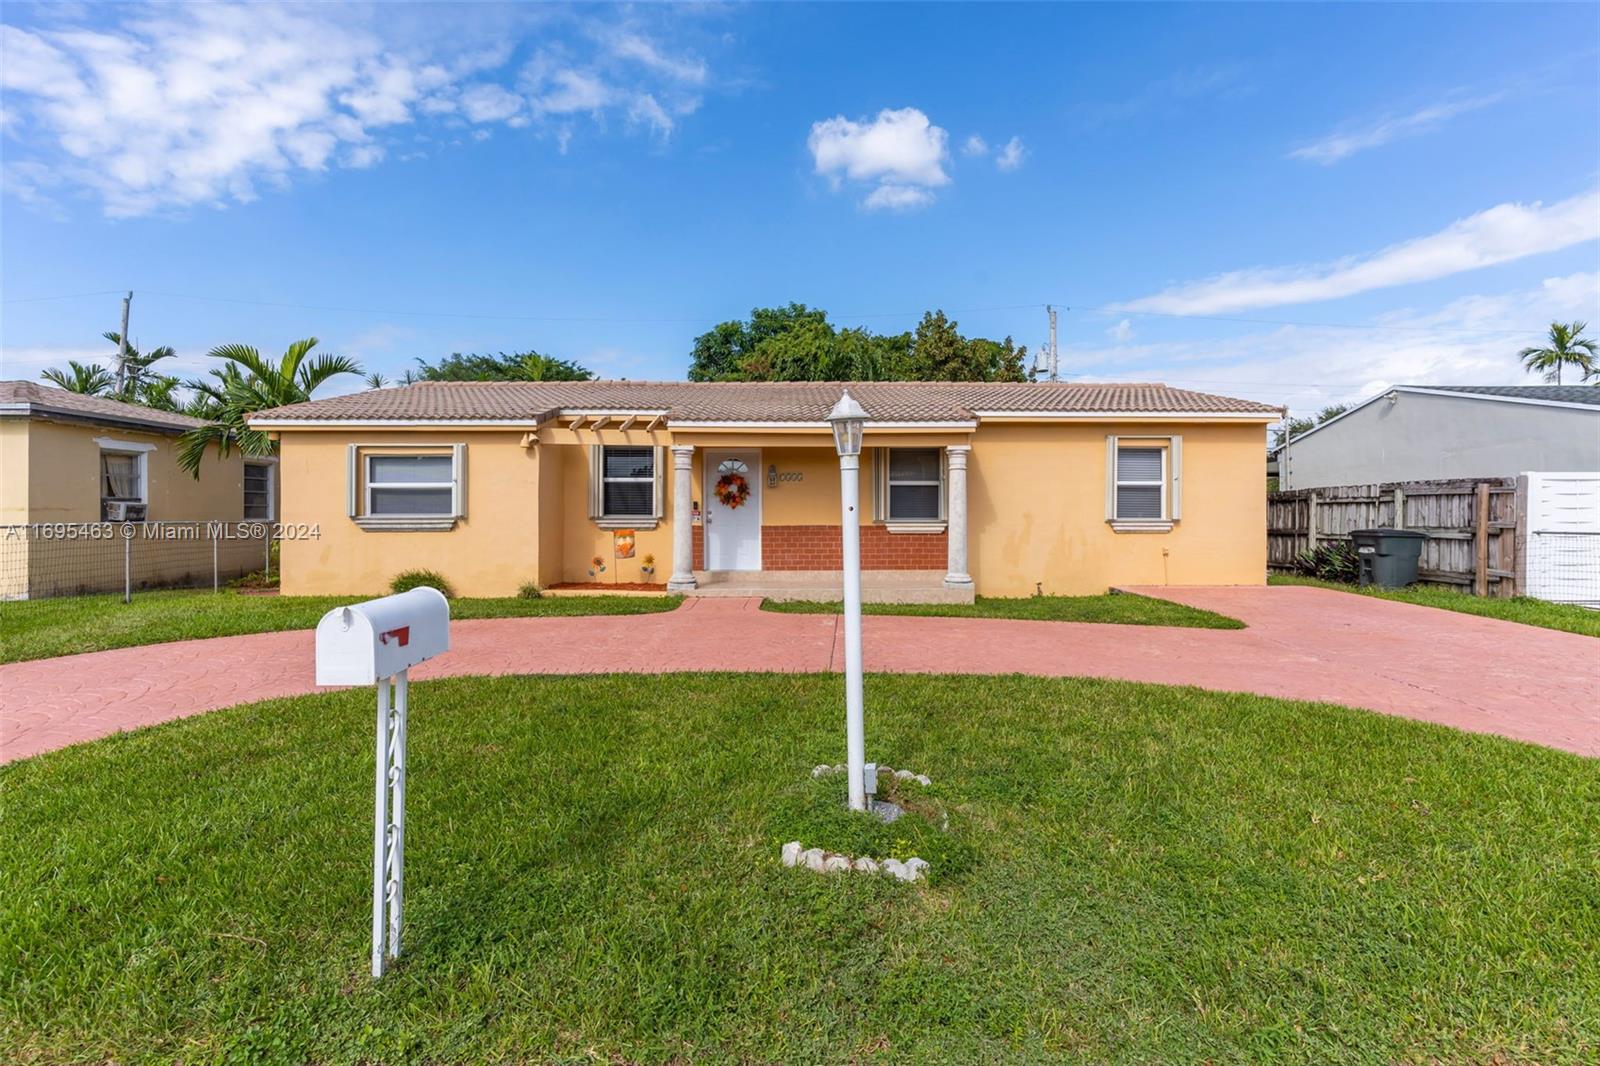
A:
(637, 48)
(489, 103)
(1501, 234)
(899, 151)
(181, 105)
(974, 145)
(567, 91)
(897, 198)
(1358, 138)
(644, 109)
(1472, 340)
(1011, 156)
(363, 155)
(1122, 332)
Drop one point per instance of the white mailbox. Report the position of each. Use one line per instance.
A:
(365, 642)
(376, 643)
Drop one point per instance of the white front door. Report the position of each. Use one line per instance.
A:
(733, 525)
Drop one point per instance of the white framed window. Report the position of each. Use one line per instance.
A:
(121, 477)
(412, 488)
(1141, 482)
(258, 485)
(915, 484)
(626, 485)
(1143, 486)
(628, 482)
(409, 486)
(124, 480)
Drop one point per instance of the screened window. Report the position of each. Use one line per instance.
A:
(1141, 486)
(121, 477)
(410, 485)
(258, 491)
(916, 485)
(628, 482)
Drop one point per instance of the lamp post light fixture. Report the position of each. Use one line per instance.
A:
(849, 421)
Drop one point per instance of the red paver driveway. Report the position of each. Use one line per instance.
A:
(1304, 643)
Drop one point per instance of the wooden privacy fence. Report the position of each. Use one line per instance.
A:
(1473, 526)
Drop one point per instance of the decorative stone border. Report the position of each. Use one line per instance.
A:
(823, 770)
(827, 862)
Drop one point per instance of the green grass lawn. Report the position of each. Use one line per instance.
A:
(1115, 607)
(1522, 609)
(1149, 874)
(39, 629)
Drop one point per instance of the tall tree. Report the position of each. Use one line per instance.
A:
(939, 352)
(797, 343)
(160, 392)
(248, 382)
(719, 353)
(90, 380)
(137, 372)
(1566, 347)
(517, 366)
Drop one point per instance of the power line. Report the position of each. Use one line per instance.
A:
(65, 296)
(663, 320)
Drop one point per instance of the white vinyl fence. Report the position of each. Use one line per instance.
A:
(1561, 562)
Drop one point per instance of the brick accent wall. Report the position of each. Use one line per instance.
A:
(818, 548)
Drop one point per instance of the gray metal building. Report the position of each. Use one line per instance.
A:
(1428, 432)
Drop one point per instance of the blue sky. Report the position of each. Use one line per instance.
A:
(1215, 195)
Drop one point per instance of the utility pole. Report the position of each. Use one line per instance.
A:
(1055, 362)
(122, 343)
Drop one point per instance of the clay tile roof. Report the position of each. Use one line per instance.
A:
(797, 402)
(35, 400)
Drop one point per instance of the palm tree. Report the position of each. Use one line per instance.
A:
(248, 382)
(376, 380)
(1566, 348)
(135, 369)
(91, 380)
(159, 392)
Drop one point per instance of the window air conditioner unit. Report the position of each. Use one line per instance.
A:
(122, 511)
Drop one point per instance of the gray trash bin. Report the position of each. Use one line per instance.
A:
(1388, 556)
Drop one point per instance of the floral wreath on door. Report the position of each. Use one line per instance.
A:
(732, 489)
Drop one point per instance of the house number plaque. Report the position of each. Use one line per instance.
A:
(774, 475)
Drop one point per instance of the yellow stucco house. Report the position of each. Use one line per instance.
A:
(69, 461)
(998, 489)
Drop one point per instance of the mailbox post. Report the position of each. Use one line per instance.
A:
(376, 643)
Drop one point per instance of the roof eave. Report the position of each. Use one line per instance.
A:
(29, 409)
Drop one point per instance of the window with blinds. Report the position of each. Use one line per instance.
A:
(410, 485)
(629, 479)
(916, 485)
(1141, 484)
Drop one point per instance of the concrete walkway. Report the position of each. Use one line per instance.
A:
(1304, 643)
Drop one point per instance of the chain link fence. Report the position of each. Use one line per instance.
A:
(78, 559)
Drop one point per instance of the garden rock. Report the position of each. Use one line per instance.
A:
(912, 869)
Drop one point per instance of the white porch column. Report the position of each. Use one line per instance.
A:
(682, 579)
(956, 515)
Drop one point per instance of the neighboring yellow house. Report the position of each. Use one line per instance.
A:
(1002, 489)
(69, 461)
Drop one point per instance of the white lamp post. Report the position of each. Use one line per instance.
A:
(849, 421)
